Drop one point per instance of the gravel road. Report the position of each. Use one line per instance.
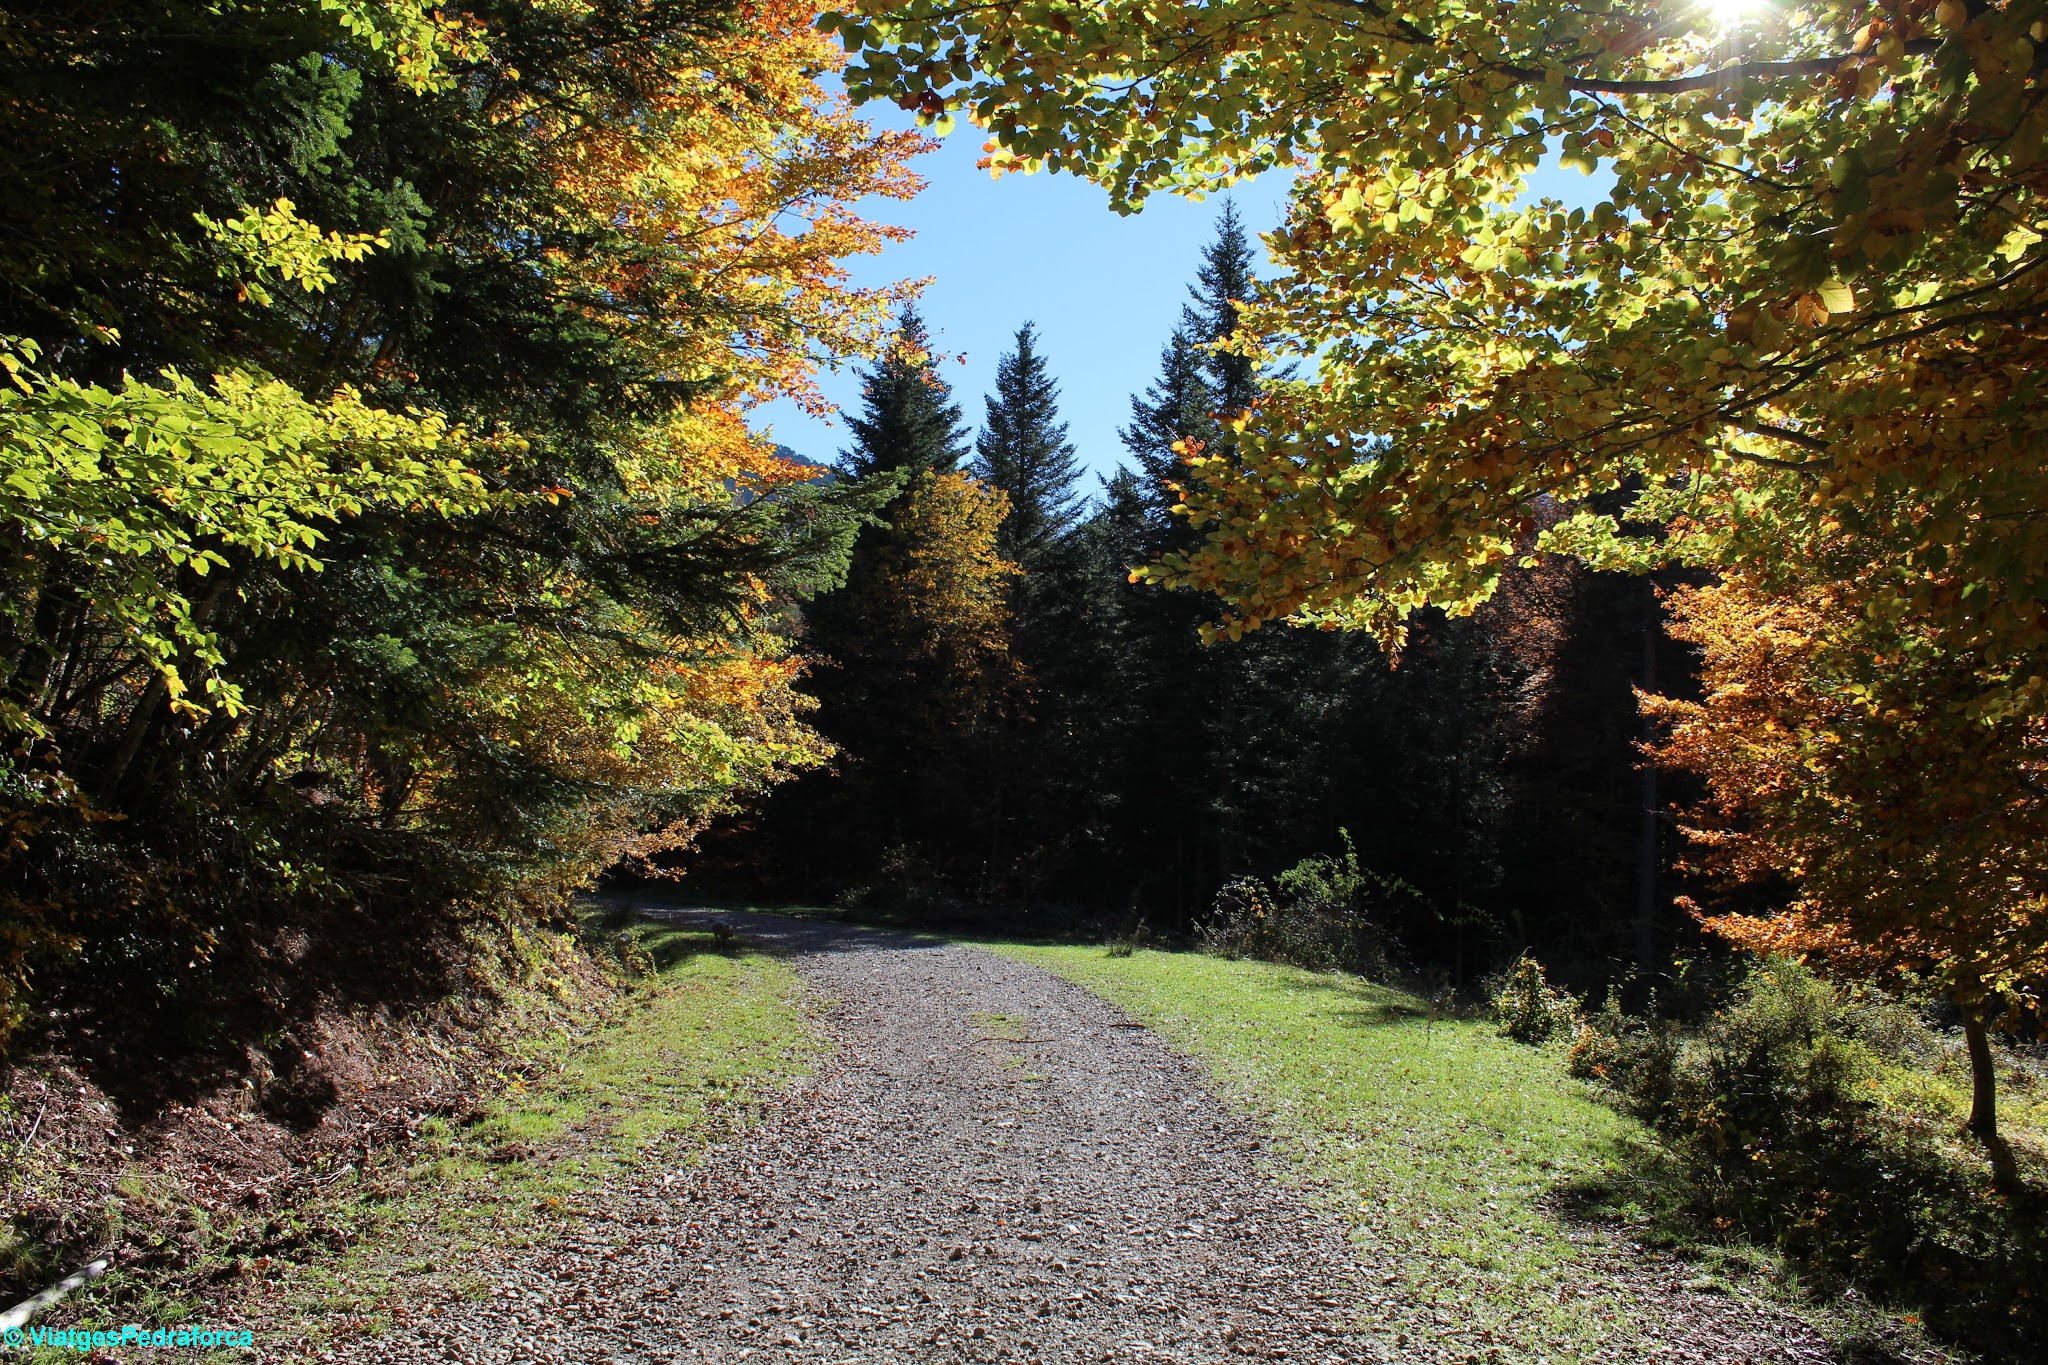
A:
(994, 1166)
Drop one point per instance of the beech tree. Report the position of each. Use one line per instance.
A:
(1822, 250)
(1853, 755)
(1820, 256)
(380, 527)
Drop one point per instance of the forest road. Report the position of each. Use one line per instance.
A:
(994, 1165)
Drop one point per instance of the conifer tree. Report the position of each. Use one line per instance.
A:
(1033, 775)
(1197, 385)
(1183, 735)
(908, 420)
(914, 652)
(1222, 284)
(1177, 406)
(1023, 450)
(1085, 748)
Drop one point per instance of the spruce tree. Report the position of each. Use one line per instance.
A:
(1192, 759)
(1177, 406)
(1224, 280)
(908, 420)
(912, 659)
(1197, 385)
(1023, 450)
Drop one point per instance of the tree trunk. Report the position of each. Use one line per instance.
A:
(139, 721)
(1983, 1078)
(2005, 1173)
(995, 837)
(1646, 852)
(143, 717)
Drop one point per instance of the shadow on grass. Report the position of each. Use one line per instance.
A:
(628, 924)
(646, 946)
(1870, 1212)
(1038, 927)
(1364, 1004)
(671, 948)
(1874, 1212)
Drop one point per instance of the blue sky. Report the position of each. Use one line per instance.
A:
(1105, 290)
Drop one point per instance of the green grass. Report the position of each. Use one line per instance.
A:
(712, 1036)
(705, 1038)
(1454, 1152)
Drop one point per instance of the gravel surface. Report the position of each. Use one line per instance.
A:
(994, 1166)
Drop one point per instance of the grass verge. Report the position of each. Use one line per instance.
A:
(1469, 1167)
(704, 1040)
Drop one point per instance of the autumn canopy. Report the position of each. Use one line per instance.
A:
(382, 527)
(1799, 342)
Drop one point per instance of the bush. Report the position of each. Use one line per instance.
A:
(1240, 922)
(1529, 1009)
(1323, 913)
(1636, 1059)
(1124, 942)
(1804, 1113)
(905, 883)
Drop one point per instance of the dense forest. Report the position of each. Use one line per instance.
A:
(386, 551)
(1048, 744)
(1497, 607)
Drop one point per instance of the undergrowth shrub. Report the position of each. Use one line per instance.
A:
(1805, 1114)
(1635, 1058)
(1531, 1010)
(607, 934)
(1128, 941)
(1323, 913)
(905, 882)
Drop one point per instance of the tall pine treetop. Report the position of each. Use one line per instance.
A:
(908, 419)
(1177, 406)
(1023, 450)
(1224, 280)
(1196, 384)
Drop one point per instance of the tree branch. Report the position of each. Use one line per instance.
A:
(1786, 434)
(1706, 80)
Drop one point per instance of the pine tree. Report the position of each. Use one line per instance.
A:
(1224, 280)
(1023, 450)
(1177, 406)
(909, 420)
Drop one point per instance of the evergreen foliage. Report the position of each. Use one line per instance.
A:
(1178, 406)
(908, 420)
(381, 542)
(1023, 450)
(1128, 769)
(915, 659)
(1223, 285)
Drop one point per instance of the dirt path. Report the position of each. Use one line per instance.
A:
(996, 1166)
